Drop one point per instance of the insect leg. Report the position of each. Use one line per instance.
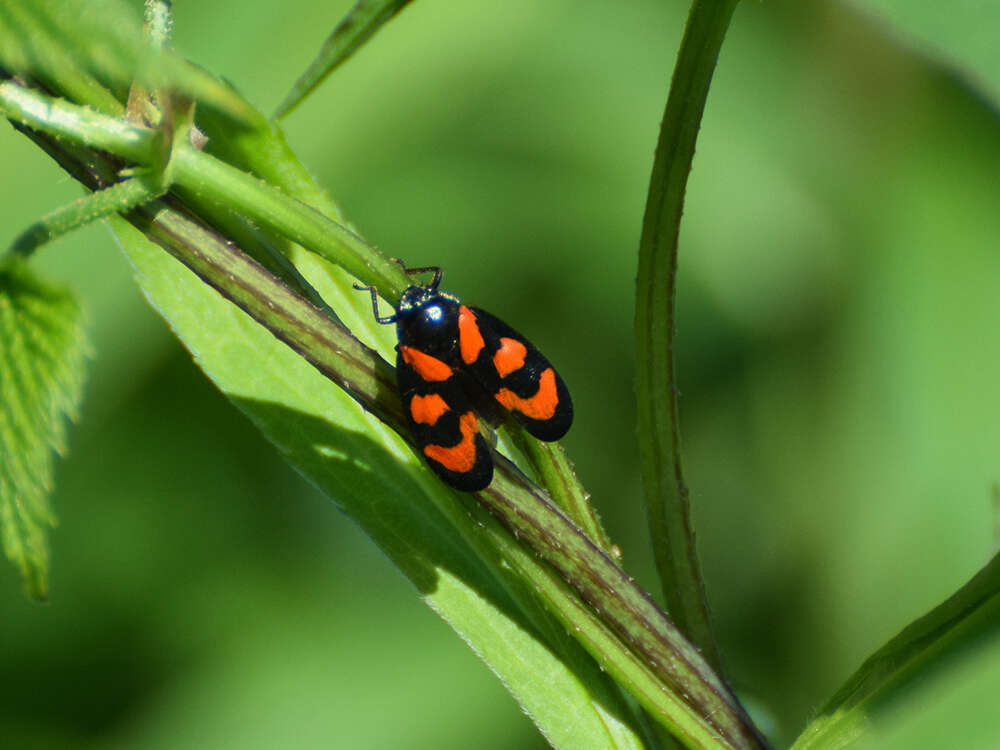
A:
(422, 269)
(378, 318)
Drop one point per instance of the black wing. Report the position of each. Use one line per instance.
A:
(445, 427)
(519, 378)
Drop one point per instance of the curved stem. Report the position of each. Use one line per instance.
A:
(656, 385)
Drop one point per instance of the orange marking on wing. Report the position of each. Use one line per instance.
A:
(462, 457)
(470, 339)
(429, 368)
(541, 406)
(509, 357)
(427, 409)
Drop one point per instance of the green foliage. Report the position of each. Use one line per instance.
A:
(890, 690)
(42, 353)
(367, 471)
(628, 637)
(563, 660)
(94, 50)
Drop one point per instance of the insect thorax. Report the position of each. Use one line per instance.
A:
(428, 319)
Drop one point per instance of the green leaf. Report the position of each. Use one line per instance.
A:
(893, 690)
(624, 631)
(702, 711)
(953, 707)
(962, 33)
(357, 27)
(435, 538)
(94, 50)
(42, 353)
(636, 643)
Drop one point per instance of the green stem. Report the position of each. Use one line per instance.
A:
(664, 672)
(556, 473)
(210, 180)
(118, 198)
(200, 177)
(621, 628)
(624, 631)
(656, 389)
(658, 666)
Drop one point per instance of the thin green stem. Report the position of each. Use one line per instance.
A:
(656, 385)
(77, 124)
(556, 473)
(118, 198)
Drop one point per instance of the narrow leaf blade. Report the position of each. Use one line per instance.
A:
(357, 27)
(955, 634)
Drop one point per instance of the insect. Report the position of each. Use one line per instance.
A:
(456, 365)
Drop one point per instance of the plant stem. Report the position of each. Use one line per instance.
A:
(612, 618)
(118, 198)
(656, 385)
(598, 603)
(210, 180)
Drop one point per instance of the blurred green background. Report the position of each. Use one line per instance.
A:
(839, 369)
